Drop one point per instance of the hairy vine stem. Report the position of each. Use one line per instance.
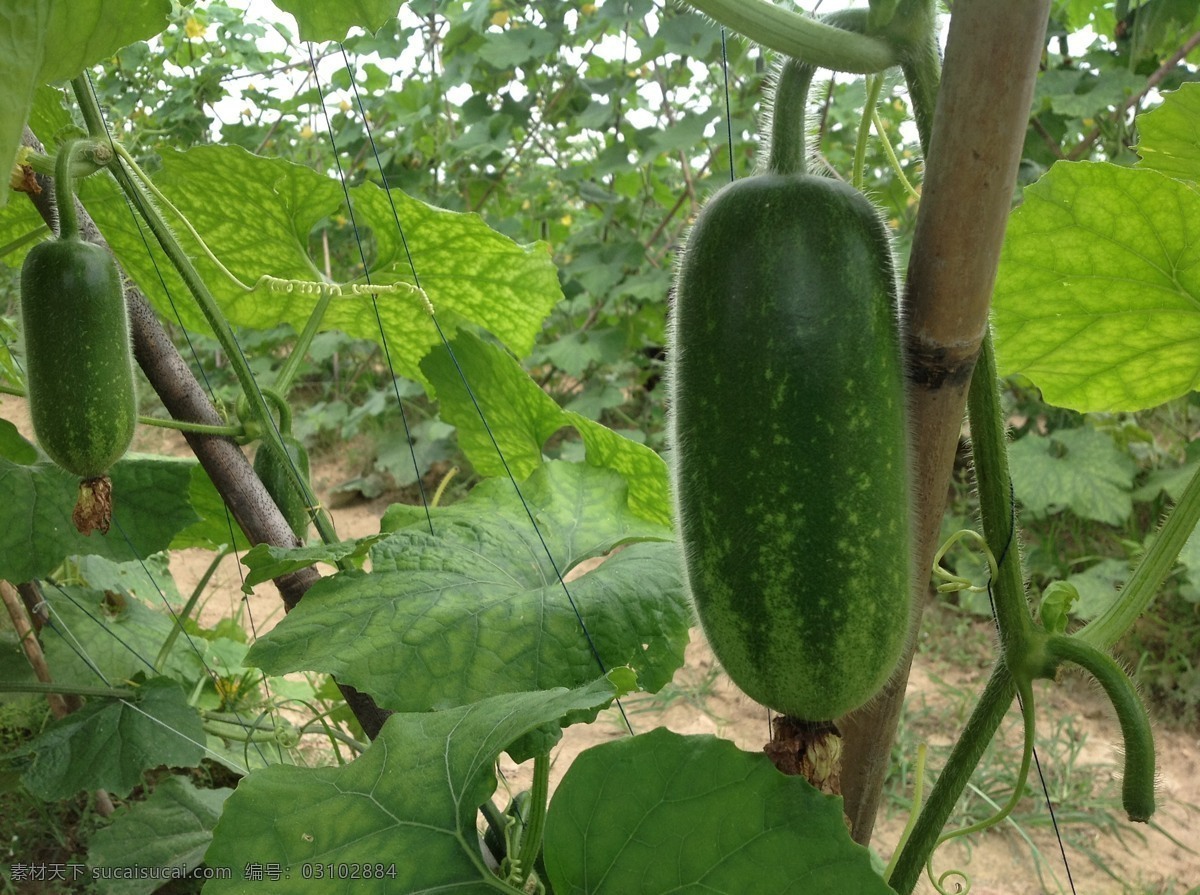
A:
(801, 36)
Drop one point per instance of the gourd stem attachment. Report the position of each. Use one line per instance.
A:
(787, 152)
(64, 190)
(1137, 789)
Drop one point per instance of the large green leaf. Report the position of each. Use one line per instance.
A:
(407, 804)
(109, 743)
(321, 20)
(1169, 141)
(506, 404)
(1081, 470)
(477, 608)
(50, 40)
(171, 829)
(149, 506)
(256, 214)
(1098, 294)
(663, 813)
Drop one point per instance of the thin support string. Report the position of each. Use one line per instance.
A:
(383, 340)
(471, 393)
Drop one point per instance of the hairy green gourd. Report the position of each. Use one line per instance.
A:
(790, 446)
(278, 482)
(78, 359)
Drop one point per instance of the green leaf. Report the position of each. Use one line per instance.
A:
(1098, 294)
(51, 40)
(149, 579)
(172, 828)
(266, 562)
(477, 608)
(1081, 470)
(100, 636)
(149, 507)
(257, 214)
(663, 813)
(14, 447)
(109, 743)
(1168, 135)
(23, 27)
(516, 46)
(1055, 608)
(522, 417)
(1097, 587)
(320, 20)
(409, 802)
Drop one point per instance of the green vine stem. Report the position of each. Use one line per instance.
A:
(204, 298)
(291, 366)
(874, 87)
(1156, 563)
(160, 661)
(64, 191)
(539, 794)
(1137, 739)
(1012, 609)
(44, 689)
(802, 37)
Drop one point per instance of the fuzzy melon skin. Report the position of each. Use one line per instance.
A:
(78, 359)
(790, 448)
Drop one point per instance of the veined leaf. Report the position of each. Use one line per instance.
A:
(477, 608)
(522, 417)
(409, 802)
(1168, 137)
(51, 40)
(109, 743)
(663, 813)
(320, 20)
(172, 828)
(256, 215)
(1080, 470)
(1098, 294)
(149, 507)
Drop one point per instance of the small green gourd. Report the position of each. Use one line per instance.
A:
(78, 356)
(789, 437)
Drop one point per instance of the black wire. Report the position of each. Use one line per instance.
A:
(728, 108)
